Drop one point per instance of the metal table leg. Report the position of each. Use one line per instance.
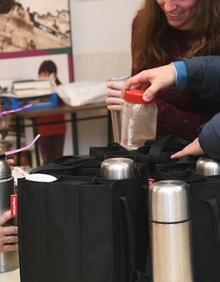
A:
(110, 129)
(18, 138)
(36, 145)
(74, 134)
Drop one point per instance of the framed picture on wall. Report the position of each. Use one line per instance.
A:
(34, 30)
(35, 25)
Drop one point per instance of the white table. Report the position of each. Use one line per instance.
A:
(10, 276)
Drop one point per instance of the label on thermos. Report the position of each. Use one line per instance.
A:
(14, 205)
(150, 181)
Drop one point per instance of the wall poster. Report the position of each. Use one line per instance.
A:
(30, 28)
(33, 32)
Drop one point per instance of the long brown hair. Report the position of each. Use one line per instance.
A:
(150, 29)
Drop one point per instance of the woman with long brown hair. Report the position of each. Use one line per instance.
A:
(165, 31)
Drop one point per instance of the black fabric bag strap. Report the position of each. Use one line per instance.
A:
(116, 146)
(72, 160)
(126, 218)
(213, 205)
(161, 144)
(134, 274)
(112, 150)
(146, 275)
(59, 166)
(180, 171)
(187, 160)
(143, 277)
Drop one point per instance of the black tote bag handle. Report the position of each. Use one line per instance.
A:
(112, 150)
(129, 232)
(155, 151)
(134, 274)
(213, 205)
(183, 170)
(64, 166)
(73, 161)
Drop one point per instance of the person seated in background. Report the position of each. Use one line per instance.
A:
(201, 75)
(165, 31)
(52, 135)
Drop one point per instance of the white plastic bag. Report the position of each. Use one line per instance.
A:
(82, 93)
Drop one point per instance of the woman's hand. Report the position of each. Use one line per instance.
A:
(11, 162)
(114, 98)
(8, 234)
(193, 149)
(157, 79)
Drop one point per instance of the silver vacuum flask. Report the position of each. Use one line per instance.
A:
(117, 168)
(170, 232)
(207, 166)
(8, 261)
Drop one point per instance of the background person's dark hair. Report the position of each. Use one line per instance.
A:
(50, 67)
(6, 6)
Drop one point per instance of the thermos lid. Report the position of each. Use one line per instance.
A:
(5, 171)
(117, 168)
(135, 96)
(207, 166)
(168, 201)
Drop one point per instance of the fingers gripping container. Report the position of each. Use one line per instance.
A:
(139, 120)
(8, 260)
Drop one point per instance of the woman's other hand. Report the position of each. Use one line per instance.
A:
(11, 162)
(114, 100)
(8, 234)
(157, 79)
(193, 149)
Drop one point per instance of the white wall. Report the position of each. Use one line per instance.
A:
(102, 25)
(101, 32)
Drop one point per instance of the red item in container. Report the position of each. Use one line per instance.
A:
(151, 181)
(14, 205)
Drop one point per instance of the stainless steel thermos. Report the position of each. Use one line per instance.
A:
(169, 217)
(117, 168)
(8, 261)
(207, 166)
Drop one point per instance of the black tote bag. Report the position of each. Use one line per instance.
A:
(205, 206)
(80, 229)
(87, 231)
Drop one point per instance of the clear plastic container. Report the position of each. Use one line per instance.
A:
(139, 120)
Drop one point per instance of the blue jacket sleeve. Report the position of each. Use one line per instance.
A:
(181, 74)
(209, 137)
(204, 77)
